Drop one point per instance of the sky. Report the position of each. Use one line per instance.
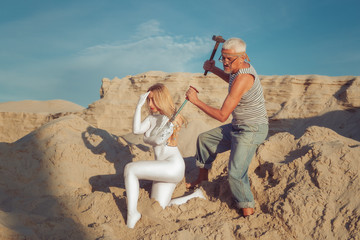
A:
(63, 49)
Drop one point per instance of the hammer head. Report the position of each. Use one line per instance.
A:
(218, 39)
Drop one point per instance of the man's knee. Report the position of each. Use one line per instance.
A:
(202, 137)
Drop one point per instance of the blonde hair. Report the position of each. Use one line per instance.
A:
(163, 100)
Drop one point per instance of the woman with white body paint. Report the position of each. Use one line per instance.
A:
(168, 168)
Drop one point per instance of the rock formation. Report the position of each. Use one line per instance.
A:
(61, 172)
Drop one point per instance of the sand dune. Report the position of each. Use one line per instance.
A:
(61, 172)
(20, 118)
(31, 106)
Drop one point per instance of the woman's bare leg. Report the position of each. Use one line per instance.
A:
(162, 192)
(181, 200)
(148, 170)
(132, 193)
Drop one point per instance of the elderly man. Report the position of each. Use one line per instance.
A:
(249, 126)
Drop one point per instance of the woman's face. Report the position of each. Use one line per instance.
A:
(151, 103)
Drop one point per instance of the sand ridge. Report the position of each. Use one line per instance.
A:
(61, 174)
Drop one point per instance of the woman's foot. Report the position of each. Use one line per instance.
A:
(132, 219)
(247, 211)
(203, 176)
(181, 200)
(198, 193)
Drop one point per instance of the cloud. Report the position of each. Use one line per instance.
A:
(156, 50)
(77, 77)
(148, 29)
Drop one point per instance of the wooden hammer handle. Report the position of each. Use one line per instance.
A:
(212, 55)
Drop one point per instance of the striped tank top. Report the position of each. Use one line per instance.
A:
(251, 108)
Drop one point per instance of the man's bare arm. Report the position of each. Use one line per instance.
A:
(240, 85)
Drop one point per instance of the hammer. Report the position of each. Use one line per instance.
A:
(218, 40)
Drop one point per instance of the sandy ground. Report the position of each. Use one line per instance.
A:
(61, 177)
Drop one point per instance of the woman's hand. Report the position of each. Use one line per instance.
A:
(142, 99)
(138, 127)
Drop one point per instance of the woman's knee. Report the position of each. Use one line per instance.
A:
(128, 169)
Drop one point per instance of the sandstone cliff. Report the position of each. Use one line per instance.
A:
(61, 172)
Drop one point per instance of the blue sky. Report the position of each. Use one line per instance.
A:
(62, 49)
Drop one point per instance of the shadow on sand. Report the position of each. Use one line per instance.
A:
(30, 211)
(344, 122)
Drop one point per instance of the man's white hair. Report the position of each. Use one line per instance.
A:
(235, 43)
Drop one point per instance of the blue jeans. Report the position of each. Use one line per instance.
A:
(242, 140)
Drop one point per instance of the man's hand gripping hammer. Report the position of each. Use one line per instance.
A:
(218, 40)
(181, 107)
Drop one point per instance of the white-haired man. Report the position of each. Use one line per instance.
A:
(249, 126)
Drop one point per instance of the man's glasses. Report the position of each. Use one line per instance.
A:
(223, 59)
